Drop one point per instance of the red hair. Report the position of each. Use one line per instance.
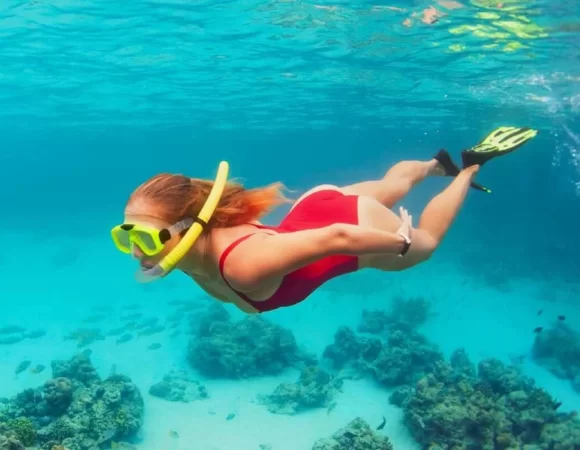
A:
(176, 197)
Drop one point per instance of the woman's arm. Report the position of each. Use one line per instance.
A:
(359, 241)
(277, 255)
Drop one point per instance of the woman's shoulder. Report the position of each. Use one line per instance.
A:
(223, 238)
(231, 250)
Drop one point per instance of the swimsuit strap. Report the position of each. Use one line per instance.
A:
(262, 227)
(237, 242)
(228, 250)
(222, 262)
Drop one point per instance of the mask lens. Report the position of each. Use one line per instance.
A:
(123, 240)
(146, 242)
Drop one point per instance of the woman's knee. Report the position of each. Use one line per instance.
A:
(424, 244)
(403, 169)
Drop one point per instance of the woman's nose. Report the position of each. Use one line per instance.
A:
(137, 252)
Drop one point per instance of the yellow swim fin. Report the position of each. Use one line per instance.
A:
(499, 142)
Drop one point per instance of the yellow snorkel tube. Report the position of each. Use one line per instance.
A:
(168, 263)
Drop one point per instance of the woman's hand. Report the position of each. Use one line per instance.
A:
(406, 227)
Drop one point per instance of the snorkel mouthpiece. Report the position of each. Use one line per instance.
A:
(168, 263)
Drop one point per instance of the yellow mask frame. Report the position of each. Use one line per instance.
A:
(168, 263)
(149, 240)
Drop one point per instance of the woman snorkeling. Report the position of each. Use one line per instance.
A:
(210, 230)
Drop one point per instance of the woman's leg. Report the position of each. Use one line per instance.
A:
(441, 211)
(396, 183)
(437, 218)
(434, 223)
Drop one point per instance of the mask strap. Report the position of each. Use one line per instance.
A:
(180, 226)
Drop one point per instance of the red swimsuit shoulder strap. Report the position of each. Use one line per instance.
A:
(237, 242)
(222, 262)
(262, 227)
(234, 244)
(228, 250)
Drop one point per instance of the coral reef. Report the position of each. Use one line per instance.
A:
(314, 389)
(350, 349)
(404, 357)
(401, 395)
(201, 324)
(405, 315)
(357, 435)
(177, 386)
(558, 350)
(498, 408)
(19, 430)
(455, 405)
(57, 395)
(8, 439)
(250, 347)
(74, 409)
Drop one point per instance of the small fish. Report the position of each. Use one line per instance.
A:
(517, 360)
(175, 333)
(131, 317)
(154, 346)
(86, 398)
(94, 318)
(149, 323)
(173, 434)
(557, 405)
(11, 340)
(540, 311)
(175, 317)
(561, 318)
(35, 334)
(151, 331)
(132, 307)
(189, 306)
(349, 435)
(383, 423)
(538, 330)
(10, 329)
(87, 352)
(124, 338)
(102, 308)
(116, 331)
(38, 368)
(22, 367)
(107, 435)
(230, 416)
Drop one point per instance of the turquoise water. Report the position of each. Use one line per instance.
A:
(95, 97)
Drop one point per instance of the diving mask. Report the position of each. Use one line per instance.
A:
(149, 240)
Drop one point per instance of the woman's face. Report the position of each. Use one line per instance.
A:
(146, 261)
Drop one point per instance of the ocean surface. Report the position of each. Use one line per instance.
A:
(97, 96)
